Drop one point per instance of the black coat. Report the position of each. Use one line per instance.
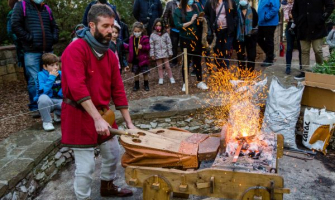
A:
(231, 16)
(146, 11)
(36, 31)
(120, 52)
(310, 17)
(168, 13)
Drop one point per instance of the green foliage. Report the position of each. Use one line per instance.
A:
(328, 67)
(3, 22)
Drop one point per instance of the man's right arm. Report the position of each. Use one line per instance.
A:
(136, 11)
(18, 24)
(167, 12)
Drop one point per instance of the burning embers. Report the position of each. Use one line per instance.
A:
(238, 96)
(250, 153)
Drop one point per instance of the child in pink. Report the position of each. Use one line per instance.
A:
(161, 49)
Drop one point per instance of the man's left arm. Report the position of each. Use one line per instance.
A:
(329, 7)
(273, 10)
(127, 119)
(119, 94)
(55, 30)
(160, 9)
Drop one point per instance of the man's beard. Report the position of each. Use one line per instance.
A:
(102, 39)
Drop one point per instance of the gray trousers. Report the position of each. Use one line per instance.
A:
(85, 166)
(305, 52)
(46, 105)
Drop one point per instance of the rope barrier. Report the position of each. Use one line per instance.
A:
(234, 60)
(211, 57)
(5, 118)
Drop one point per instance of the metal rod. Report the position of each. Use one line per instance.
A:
(237, 152)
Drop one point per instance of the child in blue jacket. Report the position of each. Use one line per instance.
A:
(49, 90)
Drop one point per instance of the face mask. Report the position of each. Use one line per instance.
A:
(137, 34)
(38, 1)
(243, 3)
(190, 2)
(158, 28)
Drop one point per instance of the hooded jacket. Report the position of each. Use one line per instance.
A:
(268, 12)
(37, 30)
(47, 84)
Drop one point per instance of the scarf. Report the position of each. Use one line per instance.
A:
(244, 26)
(97, 48)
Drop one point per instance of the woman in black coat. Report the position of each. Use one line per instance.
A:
(223, 24)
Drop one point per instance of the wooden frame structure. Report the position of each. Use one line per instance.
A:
(160, 183)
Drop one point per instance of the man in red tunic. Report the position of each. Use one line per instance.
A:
(90, 78)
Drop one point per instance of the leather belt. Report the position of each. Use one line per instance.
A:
(73, 103)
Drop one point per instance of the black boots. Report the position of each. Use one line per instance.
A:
(146, 85)
(136, 86)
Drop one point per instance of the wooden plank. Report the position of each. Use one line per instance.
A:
(151, 140)
(171, 133)
(208, 149)
(228, 184)
(280, 145)
(156, 188)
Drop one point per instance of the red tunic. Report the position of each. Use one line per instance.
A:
(85, 77)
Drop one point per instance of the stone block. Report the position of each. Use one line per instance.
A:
(18, 69)
(11, 61)
(3, 62)
(9, 77)
(3, 70)
(8, 54)
(20, 76)
(15, 171)
(10, 68)
(38, 151)
(3, 189)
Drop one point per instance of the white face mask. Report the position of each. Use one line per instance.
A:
(137, 34)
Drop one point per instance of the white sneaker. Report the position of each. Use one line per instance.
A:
(160, 81)
(56, 118)
(47, 126)
(172, 80)
(202, 86)
(183, 89)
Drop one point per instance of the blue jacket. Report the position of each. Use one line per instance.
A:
(49, 85)
(268, 12)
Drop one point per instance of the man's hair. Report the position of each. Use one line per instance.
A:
(49, 59)
(99, 10)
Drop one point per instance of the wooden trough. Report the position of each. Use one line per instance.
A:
(220, 180)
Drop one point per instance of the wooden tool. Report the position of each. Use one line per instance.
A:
(114, 131)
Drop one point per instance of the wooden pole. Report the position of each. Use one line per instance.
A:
(185, 70)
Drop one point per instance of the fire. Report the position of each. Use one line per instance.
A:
(235, 98)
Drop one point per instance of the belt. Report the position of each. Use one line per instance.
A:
(73, 103)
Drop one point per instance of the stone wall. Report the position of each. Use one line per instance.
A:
(29, 185)
(9, 71)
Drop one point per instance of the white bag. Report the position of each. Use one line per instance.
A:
(282, 111)
(318, 129)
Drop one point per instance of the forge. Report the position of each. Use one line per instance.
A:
(166, 162)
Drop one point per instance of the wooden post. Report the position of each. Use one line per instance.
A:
(185, 70)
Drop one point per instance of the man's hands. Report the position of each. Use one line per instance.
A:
(54, 72)
(131, 126)
(101, 126)
(139, 46)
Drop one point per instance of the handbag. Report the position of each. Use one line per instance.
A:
(216, 18)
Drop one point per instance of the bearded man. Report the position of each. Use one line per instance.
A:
(90, 78)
